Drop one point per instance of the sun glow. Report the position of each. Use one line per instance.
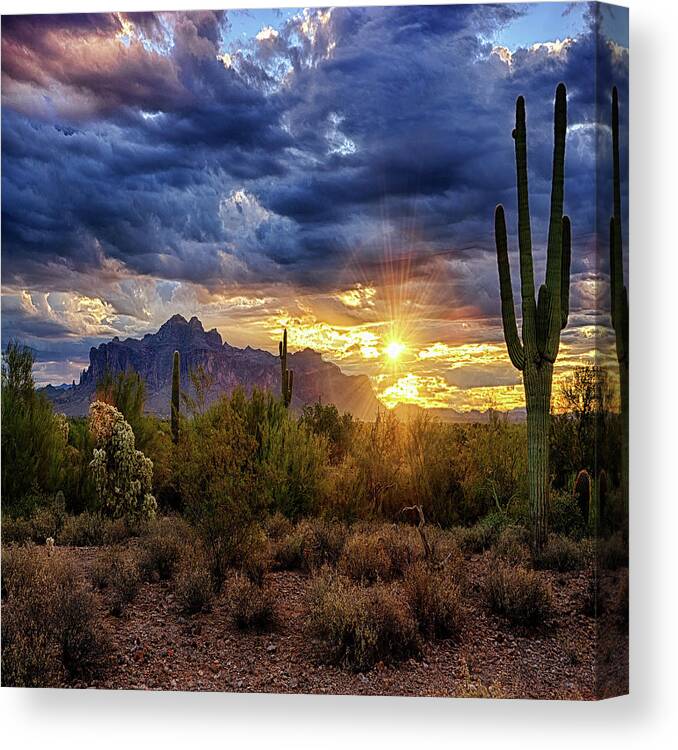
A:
(394, 350)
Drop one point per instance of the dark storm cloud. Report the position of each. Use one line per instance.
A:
(348, 133)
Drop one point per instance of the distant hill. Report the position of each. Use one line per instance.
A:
(229, 367)
(405, 412)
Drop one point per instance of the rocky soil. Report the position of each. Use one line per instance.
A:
(155, 647)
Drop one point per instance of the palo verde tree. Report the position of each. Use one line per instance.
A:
(175, 399)
(286, 376)
(620, 299)
(543, 318)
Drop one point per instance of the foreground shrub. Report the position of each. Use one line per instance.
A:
(434, 599)
(50, 629)
(251, 604)
(312, 544)
(117, 570)
(360, 625)
(192, 582)
(560, 553)
(380, 555)
(278, 526)
(477, 538)
(518, 594)
(513, 546)
(162, 548)
(565, 516)
(92, 530)
(16, 530)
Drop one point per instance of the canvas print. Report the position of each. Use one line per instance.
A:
(315, 350)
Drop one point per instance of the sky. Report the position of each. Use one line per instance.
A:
(332, 171)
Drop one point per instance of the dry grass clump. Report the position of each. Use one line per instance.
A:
(311, 544)
(278, 526)
(116, 570)
(360, 625)
(434, 599)
(476, 539)
(193, 586)
(91, 530)
(162, 547)
(561, 554)
(380, 555)
(518, 594)
(252, 605)
(513, 547)
(50, 629)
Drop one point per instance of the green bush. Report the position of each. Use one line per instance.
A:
(360, 625)
(565, 517)
(251, 604)
(434, 599)
(16, 530)
(562, 554)
(50, 630)
(518, 594)
(33, 437)
(220, 483)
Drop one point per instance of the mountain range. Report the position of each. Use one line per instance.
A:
(229, 367)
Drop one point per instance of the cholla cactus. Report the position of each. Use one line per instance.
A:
(122, 474)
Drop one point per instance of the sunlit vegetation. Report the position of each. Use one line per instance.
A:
(397, 532)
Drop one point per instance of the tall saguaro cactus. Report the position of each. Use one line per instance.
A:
(175, 399)
(286, 376)
(544, 318)
(619, 295)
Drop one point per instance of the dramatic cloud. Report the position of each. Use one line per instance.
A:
(336, 172)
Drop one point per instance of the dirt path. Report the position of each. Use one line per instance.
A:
(155, 647)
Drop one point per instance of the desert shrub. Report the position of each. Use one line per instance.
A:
(433, 472)
(560, 553)
(33, 437)
(476, 538)
(50, 629)
(192, 582)
(220, 483)
(324, 419)
(434, 599)
(162, 547)
(16, 530)
(475, 688)
(123, 476)
(92, 530)
(381, 554)
(251, 604)
(255, 559)
(513, 546)
(278, 526)
(518, 594)
(116, 569)
(360, 625)
(613, 552)
(365, 559)
(565, 518)
(313, 542)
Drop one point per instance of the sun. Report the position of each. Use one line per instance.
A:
(394, 349)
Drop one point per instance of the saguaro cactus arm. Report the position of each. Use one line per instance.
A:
(286, 376)
(525, 234)
(565, 273)
(508, 313)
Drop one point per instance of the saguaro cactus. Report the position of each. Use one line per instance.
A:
(544, 319)
(286, 376)
(620, 299)
(175, 398)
